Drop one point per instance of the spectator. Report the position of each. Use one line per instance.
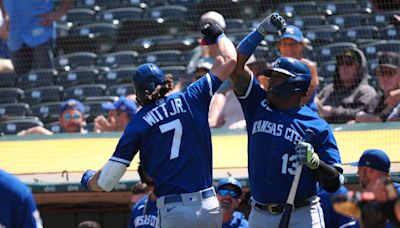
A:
(350, 92)
(119, 114)
(72, 120)
(331, 218)
(31, 32)
(144, 212)
(385, 105)
(89, 224)
(229, 192)
(5, 62)
(18, 208)
(292, 44)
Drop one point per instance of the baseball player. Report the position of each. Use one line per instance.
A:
(229, 192)
(18, 208)
(174, 140)
(144, 212)
(282, 134)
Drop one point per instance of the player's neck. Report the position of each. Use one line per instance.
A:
(285, 103)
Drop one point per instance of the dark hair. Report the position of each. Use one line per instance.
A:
(160, 90)
(144, 178)
(139, 188)
(89, 224)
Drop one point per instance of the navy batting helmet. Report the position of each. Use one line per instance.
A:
(299, 77)
(147, 77)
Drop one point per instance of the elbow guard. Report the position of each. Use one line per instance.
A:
(110, 175)
(329, 177)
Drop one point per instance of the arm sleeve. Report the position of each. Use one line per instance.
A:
(253, 96)
(128, 144)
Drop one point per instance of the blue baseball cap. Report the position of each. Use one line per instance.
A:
(375, 159)
(122, 104)
(292, 32)
(72, 104)
(230, 181)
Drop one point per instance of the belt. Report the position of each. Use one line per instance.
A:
(276, 208)
(178, 198)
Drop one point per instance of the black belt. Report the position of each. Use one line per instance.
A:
(276, 208)
(178, 198)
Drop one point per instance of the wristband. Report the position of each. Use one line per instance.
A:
(250, 43)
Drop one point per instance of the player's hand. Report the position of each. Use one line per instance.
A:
(86, 177)
(211, 32)
(272, 24)
(306, 155)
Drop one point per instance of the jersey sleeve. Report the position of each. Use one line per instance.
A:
(253, 96)
(326, 148)
(203, 89)
(128, 145)
(28, 215)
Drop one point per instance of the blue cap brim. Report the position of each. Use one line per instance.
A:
(354, 164)
(108, 106)
(291, 37)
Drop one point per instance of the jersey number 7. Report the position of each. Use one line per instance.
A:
(175, 125)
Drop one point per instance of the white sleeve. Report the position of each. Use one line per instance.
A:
(110, 175)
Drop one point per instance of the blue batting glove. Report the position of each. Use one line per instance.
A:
(86, 177)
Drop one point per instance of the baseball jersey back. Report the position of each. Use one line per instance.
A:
(272, 136)
(144, 213)
(174, 139)
(18, 208)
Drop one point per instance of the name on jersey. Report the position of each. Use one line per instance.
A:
(146, 220)
(271, 128)
(161, 112)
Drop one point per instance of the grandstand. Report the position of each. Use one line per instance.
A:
(100, 43)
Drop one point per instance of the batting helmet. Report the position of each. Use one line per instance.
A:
(147, 77)
(299, 77)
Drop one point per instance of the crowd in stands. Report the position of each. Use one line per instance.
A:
(88, 51)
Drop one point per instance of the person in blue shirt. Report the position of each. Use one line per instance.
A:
(174, 139)
(18, 208)
(144, 212)
(229, 192)
(31, 32)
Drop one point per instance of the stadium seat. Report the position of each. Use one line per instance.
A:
(120, 90)
(340, 7)
(11, 127)
(144, 3)
(79, 92)
(43, 94)
(118, 59)
(360, 34)
(119, 15)
(262, 52)
(235, 25)
(292, 9)
(105, 34)
(323, 35)
(237, 36)
(8, 79)
(77, 77)
(326, 70)
(330, 51)
(14, 110)
(37, 78)
(93, 109)
(163, 58)
(47, 112)
(11, 95)
(347, 20)
(389, 33)
(54, 127)
(98, 4)
(177, 71)
(78, 16)
(381, 19)
(167, 11)
(243, 9)
(116, 76)
(371, 49)
(74, 60)
(305, 22)
(182, 43)
(62, 30)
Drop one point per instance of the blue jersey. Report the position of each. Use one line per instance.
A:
(174, 139)
(144, 213)
(272, 136)
(18, 208)
(238, 221)
(333, 219)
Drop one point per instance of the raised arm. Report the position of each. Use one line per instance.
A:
(272, 24)
(225, 61)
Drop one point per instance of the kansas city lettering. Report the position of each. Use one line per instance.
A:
(161, 112)
(271, 128)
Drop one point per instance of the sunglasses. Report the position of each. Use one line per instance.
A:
(233, 194)
(68, 116)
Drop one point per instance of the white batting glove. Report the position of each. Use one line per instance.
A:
(306, 155)
(272, 24)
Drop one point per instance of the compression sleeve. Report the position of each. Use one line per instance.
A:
(329, 177)
(110, 175)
